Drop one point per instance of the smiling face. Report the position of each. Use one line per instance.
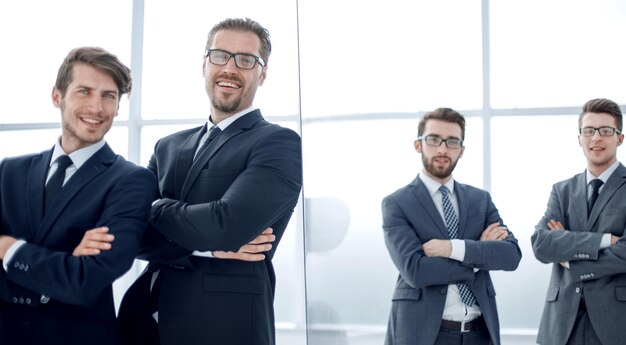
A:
(232, 89)
(601, 152)
(88, 107)
(440, 161)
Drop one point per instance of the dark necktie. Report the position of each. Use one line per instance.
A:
(56, 180)
(213, 132)
(595, 184)
(452, 223)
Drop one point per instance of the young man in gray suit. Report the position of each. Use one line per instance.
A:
(580, 234)
(444, 237)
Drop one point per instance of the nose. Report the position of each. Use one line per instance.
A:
(95, 103)
(596, 133)
(230, 65)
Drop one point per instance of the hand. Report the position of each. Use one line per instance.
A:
(438, 248)
(555, 225)
(494, 232)
(614, 239)
(251, 251)
(5, 243)
(94, 242)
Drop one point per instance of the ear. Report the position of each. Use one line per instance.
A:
(461, 150)
(418, 145)
(581, 144)
(56, 97)
(263, 75)
(620, 139)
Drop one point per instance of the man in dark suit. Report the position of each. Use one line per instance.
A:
(53, 289)
(221, 185)
(581, 234)
(444, 237)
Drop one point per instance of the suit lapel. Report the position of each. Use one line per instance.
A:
(615, 181)
(93, 167)
(37, 174)
(240, 125)
(184, 159)
(461, 198)
(426, 201)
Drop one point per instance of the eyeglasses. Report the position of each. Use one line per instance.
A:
(604, 131)
(242, 60)
(433, 140)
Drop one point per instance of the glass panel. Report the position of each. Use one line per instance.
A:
(533, 153)
(173, 85)
(349, 167)
(35, 37)
(389, 56)
(557, 53)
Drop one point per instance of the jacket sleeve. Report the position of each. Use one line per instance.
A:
(405, 249)
(492, 255)
(81, 280)
(263, 193)
(554, 246)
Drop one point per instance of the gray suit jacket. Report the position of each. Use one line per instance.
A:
(410, 219)
(598, 275)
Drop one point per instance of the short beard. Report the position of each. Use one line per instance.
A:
(226, 107)
(440, 174)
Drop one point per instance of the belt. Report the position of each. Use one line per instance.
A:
(462, 326)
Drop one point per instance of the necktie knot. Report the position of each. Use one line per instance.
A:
(595, 191)
(444, 190)
(56, 179)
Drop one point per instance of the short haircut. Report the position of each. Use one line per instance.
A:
(442, 114)
(99, 59)
(244, 25)
(602, 105)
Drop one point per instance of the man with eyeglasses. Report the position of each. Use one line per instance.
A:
(581, 235)
(221, 185)
(444, 237)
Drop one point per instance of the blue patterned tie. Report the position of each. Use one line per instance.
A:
(452, 222)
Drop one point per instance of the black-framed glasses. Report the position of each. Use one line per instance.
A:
(605, 131)
(433, 140)
(242, 60)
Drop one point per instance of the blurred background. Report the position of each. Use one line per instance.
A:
(353, 78)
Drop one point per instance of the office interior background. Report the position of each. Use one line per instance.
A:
(352, 77)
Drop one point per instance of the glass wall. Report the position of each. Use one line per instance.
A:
(353, 78)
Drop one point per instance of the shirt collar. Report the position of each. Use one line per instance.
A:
(226, 122)
(605, 175)
(433, 186)
(78, 157)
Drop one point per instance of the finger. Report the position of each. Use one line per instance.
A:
(85, 252)
(100, 230)
(493, 226)
(263, 239)
(256, 248)
(97, 245)
(267, 231)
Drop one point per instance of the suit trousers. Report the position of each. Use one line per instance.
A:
(582, 332)
(477, 337)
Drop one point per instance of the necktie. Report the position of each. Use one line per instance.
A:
(56, 180)
(595, 184)
(452, 223)
(213, 132)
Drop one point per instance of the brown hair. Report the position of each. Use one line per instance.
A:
(245, 25)
(99, 59)
(443, 114)
(602, 105)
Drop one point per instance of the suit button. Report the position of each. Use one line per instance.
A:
(14, 299)
(26, 267)
(44, 299)
(443, 291)
(21, 300)
(592, 275)
(587, 256)
(16, 264)
(577, 290)
(28, 301)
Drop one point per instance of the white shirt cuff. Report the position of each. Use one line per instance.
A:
(203, 254)
(606, 241)
(10, 252)
(458, 250)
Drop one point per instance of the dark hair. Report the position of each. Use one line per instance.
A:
(443, 114)
(245, 25)
(99, 59)
(602, 105)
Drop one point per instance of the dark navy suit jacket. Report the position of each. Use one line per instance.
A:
(49, 296)
(410, 219)
(249, 178)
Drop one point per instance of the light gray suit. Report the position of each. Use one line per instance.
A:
(598, 275)
(410, 219)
